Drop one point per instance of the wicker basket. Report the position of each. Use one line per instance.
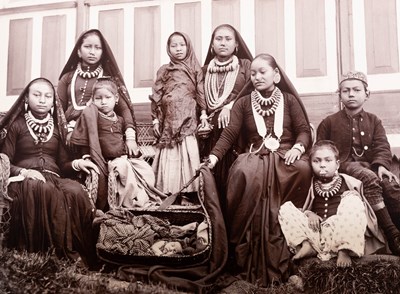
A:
(175, 217)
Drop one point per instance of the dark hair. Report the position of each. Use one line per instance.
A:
(105, 82)
(90, 33)
(328, 144)
(176, 34)
(225, 26)
(268, 58)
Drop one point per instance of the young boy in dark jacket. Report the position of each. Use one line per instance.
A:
(365, 153)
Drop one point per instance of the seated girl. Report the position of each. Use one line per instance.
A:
(99, 135)
(337, 221)
(48, 211)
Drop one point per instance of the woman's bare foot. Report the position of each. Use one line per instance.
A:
(343, 259)
(306, 250)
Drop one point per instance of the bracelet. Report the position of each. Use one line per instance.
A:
(75, 165)
(299, 147)
(130, 134)
(22, 171)
(86, 156)
(155, 121)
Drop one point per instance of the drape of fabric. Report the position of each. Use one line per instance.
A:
(174, 167)
(110, 67)
(53, 214)
(198, 278)
(178, 97)
(257, 186)
(374, 237)
(132, 183)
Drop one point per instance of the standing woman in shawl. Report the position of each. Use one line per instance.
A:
(275, 170)
(227, 70)
(47, 210)
(177, 99)
(92, 58)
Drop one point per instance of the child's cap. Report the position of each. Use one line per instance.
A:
(354, 75)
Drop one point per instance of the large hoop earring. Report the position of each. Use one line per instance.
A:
(52, 110)
(236, 50)
(212, 51)
(277, 78)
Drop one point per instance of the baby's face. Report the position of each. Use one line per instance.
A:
(173, 247)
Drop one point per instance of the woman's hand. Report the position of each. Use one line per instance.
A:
(156, 130)
(292, 155)
(211, 161)
(85, 165)
(133, 149)
(224, 118)
(382, 171)
(32, 174)
(314, 221)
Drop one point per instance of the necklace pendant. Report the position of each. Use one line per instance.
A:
(271, 143)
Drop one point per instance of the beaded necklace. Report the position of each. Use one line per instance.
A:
(216, 66)
(98, 72)
(329, 189)
(257, 100)
(213, 87)
(40, 130)
(112, 117)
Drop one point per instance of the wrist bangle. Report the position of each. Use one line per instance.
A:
(299, 147)
(22, 171)
(86, 156)
(155, 121)
(75, 165)
(130, 134)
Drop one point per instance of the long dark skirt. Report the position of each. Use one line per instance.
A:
(53, 215)
(257, 186)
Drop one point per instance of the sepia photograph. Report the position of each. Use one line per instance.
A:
(200, 146)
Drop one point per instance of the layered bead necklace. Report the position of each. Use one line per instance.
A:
(329, 189)
(257, 100)
(87, 75)
(41, 130)
(213, 86)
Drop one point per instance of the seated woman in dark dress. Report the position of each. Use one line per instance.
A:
(47, 210)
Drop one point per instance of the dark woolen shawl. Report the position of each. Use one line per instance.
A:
(18, 109)
(109, 64)
(243, 51)
(199, 278)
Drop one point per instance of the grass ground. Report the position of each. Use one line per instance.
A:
(21, 272)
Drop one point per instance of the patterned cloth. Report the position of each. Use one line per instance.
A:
(345, 230)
